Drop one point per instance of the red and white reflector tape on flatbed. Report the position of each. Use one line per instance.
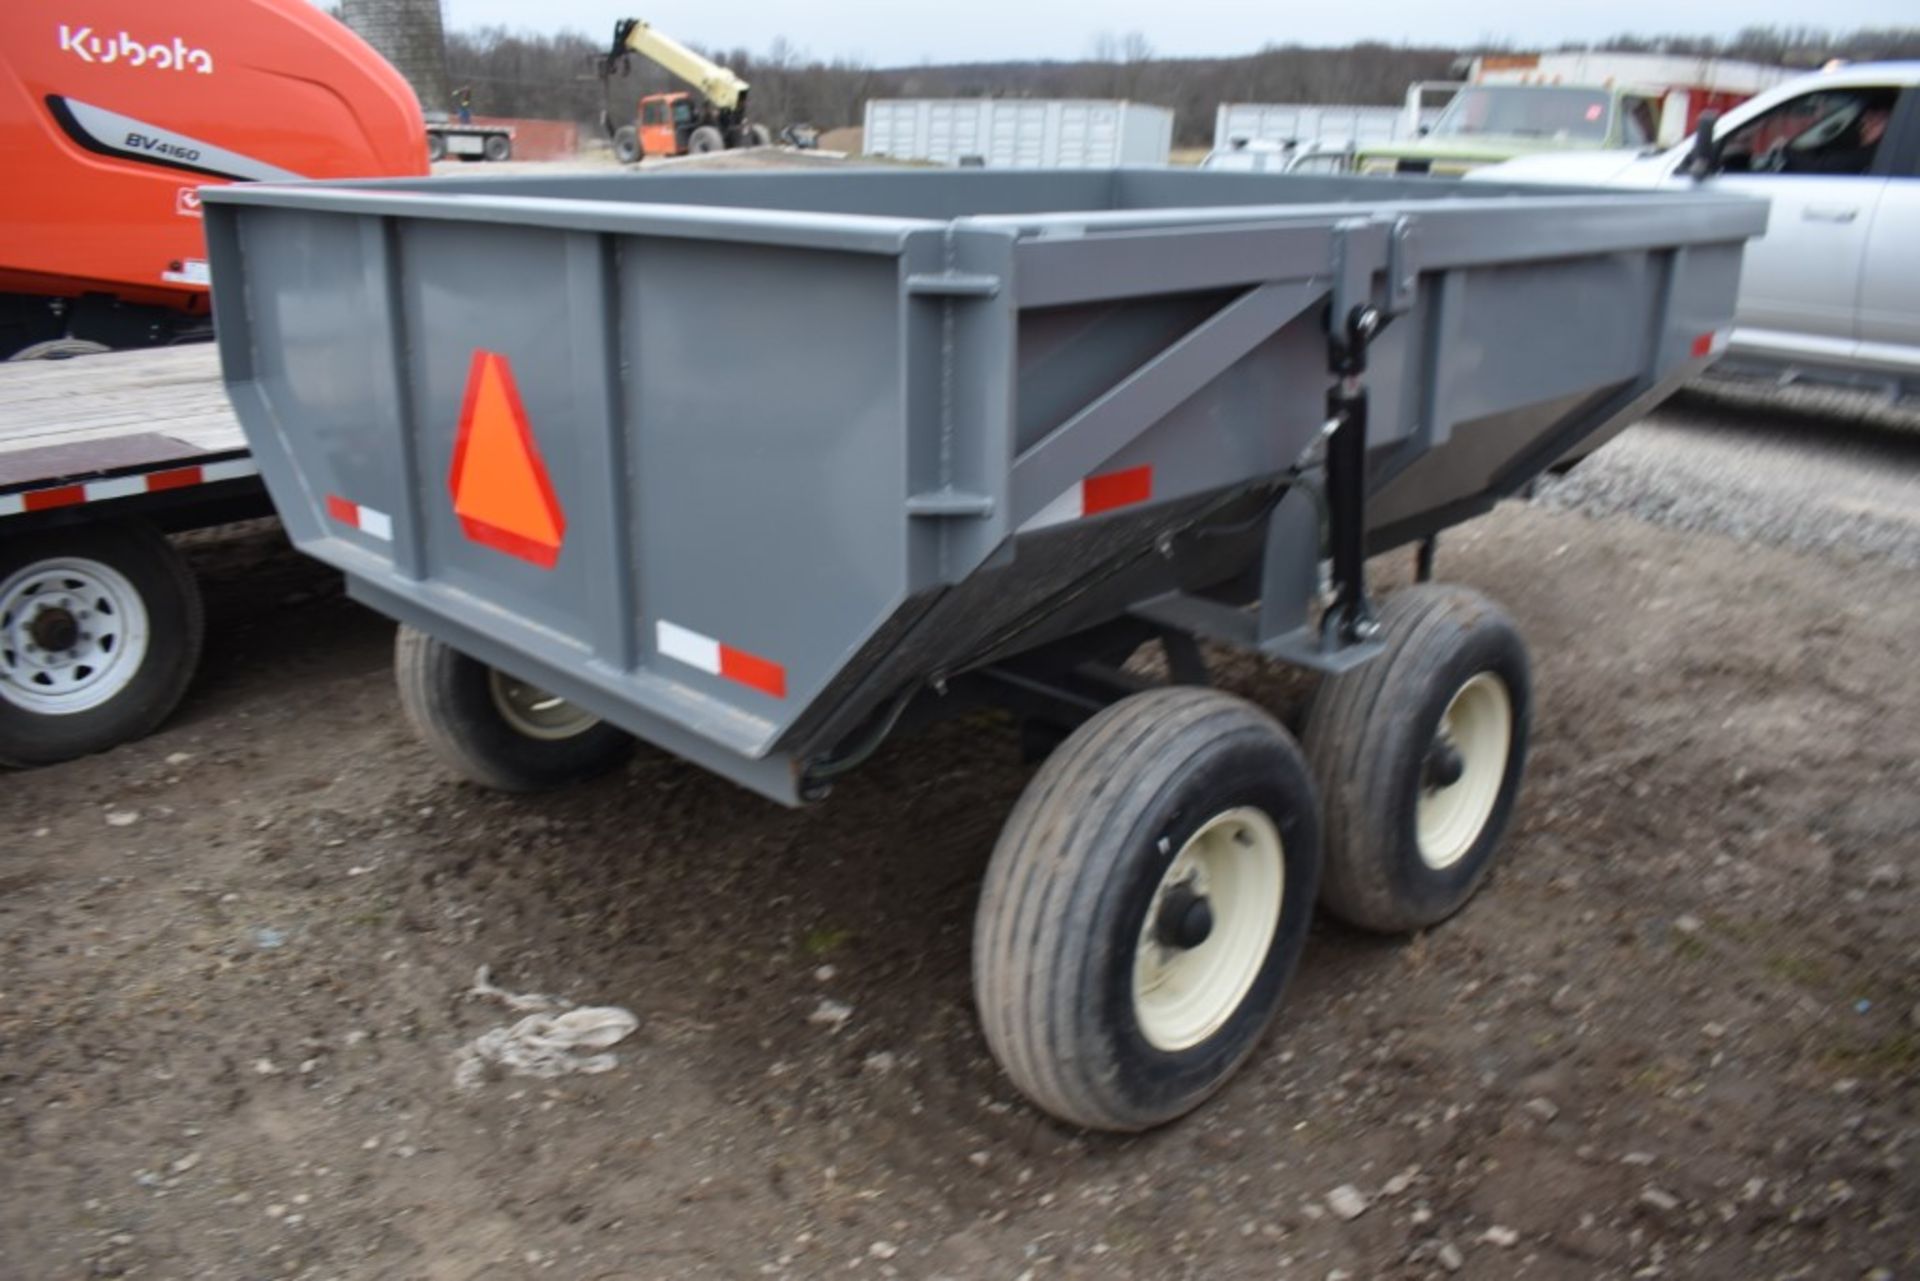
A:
(1711, 343)
(375, 524)
(49, 497)
(710, 656)
(1105, 492)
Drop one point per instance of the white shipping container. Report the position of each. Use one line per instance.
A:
(1019, 133)
(1320, 124)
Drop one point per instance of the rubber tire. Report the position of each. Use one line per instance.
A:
(436, 148)
(759, 135)
(176, 629)
(447, 698)
(498, 148)
(626, 145)
(60, 349)
(704, 140)
(1367, 735)
(1070, 882)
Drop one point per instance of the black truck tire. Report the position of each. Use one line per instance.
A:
(626, 145)
(1418, 755)
(1145, 907)
(498, 147)
(494, 730)
(100, 631)
(704, 140)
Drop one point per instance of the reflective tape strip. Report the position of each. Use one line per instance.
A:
(1711, 343)
(375, 524)
(40, 500)
(1108, 491)
(710, 656)
(115, 487)
(118, 487)
(232, 469)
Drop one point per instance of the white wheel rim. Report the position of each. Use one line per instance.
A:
(1478, 724)
(73, 634)
(535, 713)
(1183, 995)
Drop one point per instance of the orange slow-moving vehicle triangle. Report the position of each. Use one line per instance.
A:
(501, 492)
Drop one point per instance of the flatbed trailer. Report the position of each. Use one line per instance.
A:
(451, 140)
(101, 457)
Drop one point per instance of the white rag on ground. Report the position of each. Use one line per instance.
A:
(544, 1044)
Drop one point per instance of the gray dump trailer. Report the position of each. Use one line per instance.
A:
(762, 468)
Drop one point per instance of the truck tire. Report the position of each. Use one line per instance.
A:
(758, 135)
(436, 148)
(705, 139)
(498, 147)
(1145, 906)
(495, 730)
(626, 145)
(1418, 755)
(100, 630)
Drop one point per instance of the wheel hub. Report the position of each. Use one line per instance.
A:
(532, 711)
(73, 634)
(1208, 929)
(1464, 770)
(1444, 766)
(1185, 919)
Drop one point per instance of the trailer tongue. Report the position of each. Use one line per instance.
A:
(760, 468)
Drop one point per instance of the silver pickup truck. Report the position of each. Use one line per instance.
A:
(1832, 291)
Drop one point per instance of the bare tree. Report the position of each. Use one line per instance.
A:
(515, 74)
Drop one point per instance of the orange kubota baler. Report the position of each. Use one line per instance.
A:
(113, 112)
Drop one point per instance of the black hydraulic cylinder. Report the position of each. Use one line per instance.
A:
(1347, 506)
(1352, 614)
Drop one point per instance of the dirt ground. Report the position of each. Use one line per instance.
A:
(1677, 1036)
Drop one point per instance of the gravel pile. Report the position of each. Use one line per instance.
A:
(1724, 465)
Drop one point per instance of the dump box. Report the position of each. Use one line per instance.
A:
(758, 467)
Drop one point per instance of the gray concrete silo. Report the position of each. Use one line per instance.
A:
(409, 34)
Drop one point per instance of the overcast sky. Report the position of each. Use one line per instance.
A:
(908, 32)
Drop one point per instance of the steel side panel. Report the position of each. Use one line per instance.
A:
(308, 358)
(766, 460)
(518, 307)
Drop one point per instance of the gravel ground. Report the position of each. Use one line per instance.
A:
(1677, 1035)
(1762, 468)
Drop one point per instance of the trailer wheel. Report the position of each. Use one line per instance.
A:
(436, 148)
(705, 139)
(1418, 756)
(100, 629)
(493, 729)
(498, 147)
(1145, 906)
(626, 145)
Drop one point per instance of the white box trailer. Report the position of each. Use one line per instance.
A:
(1019, 133)
(1330, 125)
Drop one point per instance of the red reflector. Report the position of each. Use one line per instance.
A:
(64, 496)
(1703, 346)
(1116, 489)
(343, 511)
(768, 678)
(178, 478)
